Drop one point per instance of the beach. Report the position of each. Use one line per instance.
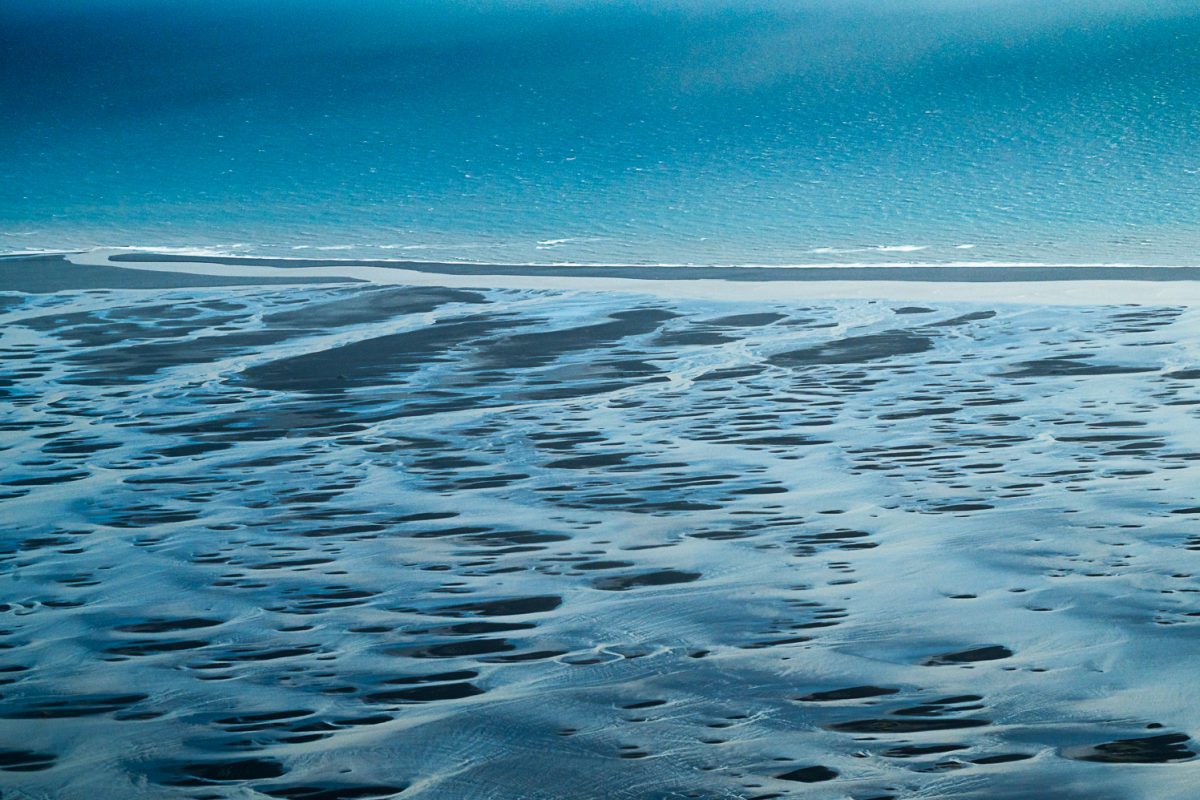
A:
(333, 529)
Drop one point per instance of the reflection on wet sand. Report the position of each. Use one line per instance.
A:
(344, 541)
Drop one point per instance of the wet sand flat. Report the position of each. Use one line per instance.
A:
(361, 540)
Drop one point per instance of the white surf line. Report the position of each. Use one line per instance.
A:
(1066, 293)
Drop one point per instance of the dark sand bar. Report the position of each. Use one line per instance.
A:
(46, 274)
(917, 273)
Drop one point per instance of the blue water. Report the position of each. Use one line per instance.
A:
(674, 131)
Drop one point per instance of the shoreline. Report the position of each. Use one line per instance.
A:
(915, 271)
(1041, 284)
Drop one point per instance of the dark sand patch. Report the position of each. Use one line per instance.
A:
(53, 273)
(852, 693)
(529, 350)
(512, 607)
(1070, 367)
(332, 792)
(369, 306)
(903, 725)
(809, 775)
(990, 653)
(1161, 749)
(370, 362)
(666, 577)
(856, 349)
(25, 761)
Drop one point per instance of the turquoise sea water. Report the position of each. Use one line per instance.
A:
(651, 132)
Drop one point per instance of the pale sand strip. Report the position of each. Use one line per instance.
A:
(1098, 291)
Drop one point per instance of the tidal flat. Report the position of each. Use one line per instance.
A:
(343, 540)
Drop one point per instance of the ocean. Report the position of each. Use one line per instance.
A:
(605, 132)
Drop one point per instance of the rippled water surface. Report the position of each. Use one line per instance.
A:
(344, 541)
(614, 131)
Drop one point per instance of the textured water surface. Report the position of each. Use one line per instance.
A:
(613, 131)
(349, 541)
